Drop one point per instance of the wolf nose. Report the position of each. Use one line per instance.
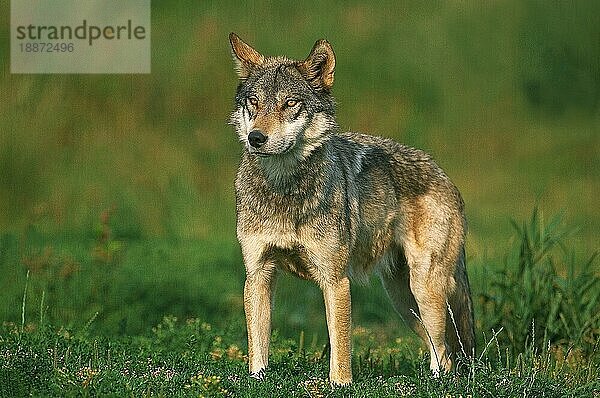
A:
(256, 138)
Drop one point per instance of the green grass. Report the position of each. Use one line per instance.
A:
(84, 320)
(542, 291)
(192, 358)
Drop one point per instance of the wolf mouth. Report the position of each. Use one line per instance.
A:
(267, 154)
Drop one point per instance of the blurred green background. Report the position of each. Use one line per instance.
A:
(116, 192)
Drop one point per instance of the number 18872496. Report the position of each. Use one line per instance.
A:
(47, 47)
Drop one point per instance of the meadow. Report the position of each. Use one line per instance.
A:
(120, 273)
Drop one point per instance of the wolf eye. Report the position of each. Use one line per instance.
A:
(291, 103)
(253, 101)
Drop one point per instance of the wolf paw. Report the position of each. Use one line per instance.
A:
(258, 375)
(336, 384)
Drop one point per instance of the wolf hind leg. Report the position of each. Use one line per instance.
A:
(396, 282)
(422, 307)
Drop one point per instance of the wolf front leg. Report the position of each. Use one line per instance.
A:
(339, 324)
(258, 293)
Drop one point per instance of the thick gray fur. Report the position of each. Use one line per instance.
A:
(327, 205)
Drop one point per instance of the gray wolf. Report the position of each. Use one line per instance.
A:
(329, 206)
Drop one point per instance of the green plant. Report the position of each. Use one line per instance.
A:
(178, 360)
(542, 293)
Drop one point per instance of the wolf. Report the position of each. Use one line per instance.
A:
(330, 206)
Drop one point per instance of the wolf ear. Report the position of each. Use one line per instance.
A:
(318, 68)
(246, 58)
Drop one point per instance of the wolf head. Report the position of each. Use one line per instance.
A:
(283, 107)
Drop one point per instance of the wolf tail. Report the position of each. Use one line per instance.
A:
(460, 332)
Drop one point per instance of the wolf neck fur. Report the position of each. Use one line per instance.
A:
(284, 173)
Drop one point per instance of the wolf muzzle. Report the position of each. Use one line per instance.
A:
(256, 138)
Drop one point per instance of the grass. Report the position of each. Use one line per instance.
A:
(543, 292)
(192, 358)
(538, 329)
